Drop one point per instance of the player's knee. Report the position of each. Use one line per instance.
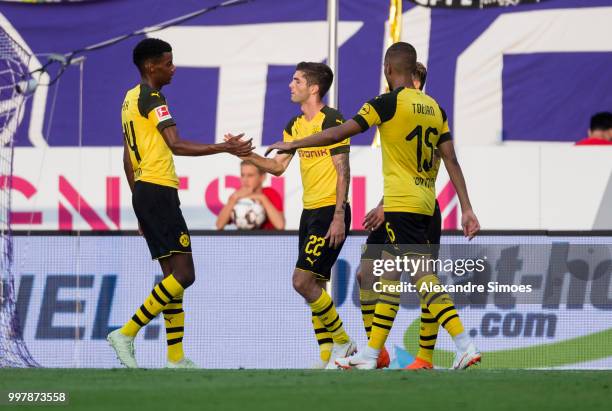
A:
(298, 283)
(302, 281)
(189, 279)
(359, 275)
(185, 277)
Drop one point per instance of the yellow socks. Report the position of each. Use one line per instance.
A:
(368, 299)
(174, 318)
(324, 308)
(384, 315)
(324, 338)
(161, 294)
(428, 335)
(440, 305)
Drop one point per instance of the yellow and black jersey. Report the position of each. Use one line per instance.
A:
(319, 175)
(144, 115)
(411, 126)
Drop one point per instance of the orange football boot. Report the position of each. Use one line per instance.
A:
(419, 364)
(383, 359)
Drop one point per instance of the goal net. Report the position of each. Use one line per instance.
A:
(13, 94)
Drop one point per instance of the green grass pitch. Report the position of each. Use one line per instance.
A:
(293, 390)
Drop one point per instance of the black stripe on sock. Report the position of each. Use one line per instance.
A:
(384, 317)
(173, 311)
(428, 320)
(137, 320)
(427, 347)
(428, 337)
(320, 330)
(180, 301)
(158, 298)
(331, 323)
(325, 341)
(146, 312)
(444, 311)
(337, 328)
(367, 311)
(433, 297)
(449, 318)
(371, 302)
(326, 309)
(386, 327)
(175, 330)
(175, 341)
(425, 310)
(163, 290)
(368, 329)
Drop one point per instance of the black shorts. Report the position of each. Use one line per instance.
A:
(407, 233)
(158, 211)
(373, 247)
(315, 256)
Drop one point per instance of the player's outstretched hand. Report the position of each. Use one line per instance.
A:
(238, 147)
(470, 224)
(374, 218)
(335, 234)
(229, 136)
(281, 146)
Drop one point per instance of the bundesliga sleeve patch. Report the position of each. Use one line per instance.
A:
(162, 113)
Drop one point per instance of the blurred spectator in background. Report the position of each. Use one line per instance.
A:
(600, 131)
(252, 179)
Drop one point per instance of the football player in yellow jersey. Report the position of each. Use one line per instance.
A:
(372, 250)
(150, 140)
(326, 217)
(411, 126)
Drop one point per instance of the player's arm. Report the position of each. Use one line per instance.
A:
(340, 158)
(327, 137)
(275, 165)
(375, 217)
(127, 166)
(153, 107)
(469, 222)
(182, 147)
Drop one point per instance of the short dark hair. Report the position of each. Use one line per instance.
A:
(149, 49)
(402, 57)
(317, 73)
(601, 121)
(420, 72)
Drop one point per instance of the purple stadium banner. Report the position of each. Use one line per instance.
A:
(234, 65)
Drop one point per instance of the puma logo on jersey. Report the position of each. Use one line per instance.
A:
(155, 94)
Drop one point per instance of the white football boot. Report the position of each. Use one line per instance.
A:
(124, 348)
(184, 363)
(340, 351)
(357, 361)
(467, 358)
